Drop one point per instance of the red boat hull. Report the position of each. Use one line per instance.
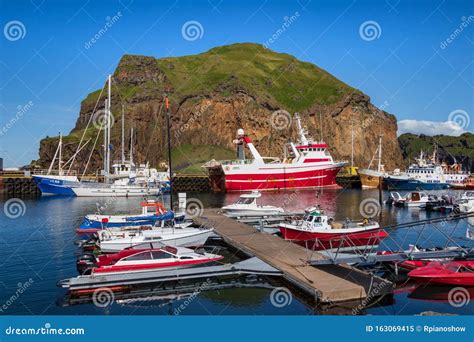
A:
(283, 179)
(318, 241)
(439, 274)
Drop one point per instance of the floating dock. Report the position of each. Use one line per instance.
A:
(331, 283)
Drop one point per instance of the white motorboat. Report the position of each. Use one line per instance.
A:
(247, 206)
(111, 242)
(413, 199)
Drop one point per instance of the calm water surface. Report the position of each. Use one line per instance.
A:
(37, 250)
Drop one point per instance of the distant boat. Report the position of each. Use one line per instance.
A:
(123, 178)
(247, 206)
(413, 199)
(423, 175)
(57, 182)
(307, 165)
(372, 178)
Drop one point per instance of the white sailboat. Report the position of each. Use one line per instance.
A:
(125, 174)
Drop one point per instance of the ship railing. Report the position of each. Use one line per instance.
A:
(44, 172)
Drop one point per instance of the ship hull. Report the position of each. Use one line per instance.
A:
(276, 178)
(369, 178)
(412, 184)
(319, 241)
(55, 185)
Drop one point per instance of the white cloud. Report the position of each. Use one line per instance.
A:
(430, 127)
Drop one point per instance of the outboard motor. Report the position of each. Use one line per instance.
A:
(85, 263)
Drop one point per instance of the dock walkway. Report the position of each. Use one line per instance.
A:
(333, 283)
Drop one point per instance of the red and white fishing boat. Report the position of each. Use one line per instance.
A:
(451, 273)
(318, 231)
(306, 165)
(144, 259)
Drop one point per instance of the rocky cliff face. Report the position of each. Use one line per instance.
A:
(238, 86)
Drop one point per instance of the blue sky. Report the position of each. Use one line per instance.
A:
(402, 60)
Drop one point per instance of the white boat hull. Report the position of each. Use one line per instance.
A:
(177, 238)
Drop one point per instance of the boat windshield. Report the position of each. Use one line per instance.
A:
(139, 256)
(245, 201)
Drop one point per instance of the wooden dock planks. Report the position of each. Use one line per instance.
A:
(328, 283)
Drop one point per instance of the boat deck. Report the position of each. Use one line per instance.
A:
(332, 283)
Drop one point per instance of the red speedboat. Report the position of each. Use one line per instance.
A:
(143, 259)
(452, 273)
(318, 231)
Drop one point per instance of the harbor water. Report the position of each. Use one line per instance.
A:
(38, 249)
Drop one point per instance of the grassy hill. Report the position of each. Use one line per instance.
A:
(450, 148)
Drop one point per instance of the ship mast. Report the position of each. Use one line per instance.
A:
(352, 143)
(123, 134)
(380, 154)
(105, 142)
(109, 121)
(60, 160)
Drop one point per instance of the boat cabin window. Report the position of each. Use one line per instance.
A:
(309, 218)
(245, 200)
(139, 256)
(161, 255)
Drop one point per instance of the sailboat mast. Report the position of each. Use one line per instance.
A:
(60, 160)
(352, 143)
(169, 150)
(105, 141)
(131, 146)
(109, 121)
(123, 134)
(380, 154)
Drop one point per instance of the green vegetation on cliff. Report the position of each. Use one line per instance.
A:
(449, 148)
(277, 77)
